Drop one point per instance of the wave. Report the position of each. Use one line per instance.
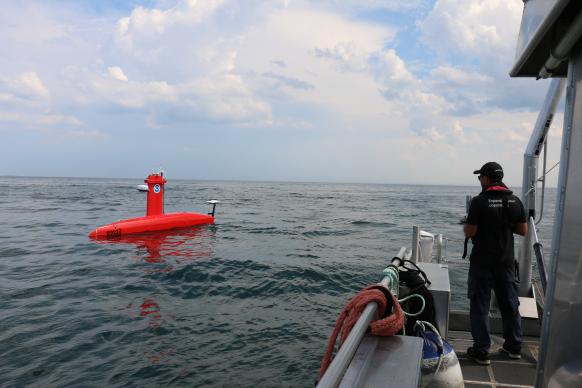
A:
(324, 233)
(374, 224)
(14, 252)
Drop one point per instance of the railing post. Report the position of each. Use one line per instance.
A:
(439, 248)
(415, 243)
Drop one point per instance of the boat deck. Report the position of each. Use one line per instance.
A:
(503, 372)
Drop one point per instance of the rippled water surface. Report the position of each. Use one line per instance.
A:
(249, 301)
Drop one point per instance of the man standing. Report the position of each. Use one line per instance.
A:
(494, 215)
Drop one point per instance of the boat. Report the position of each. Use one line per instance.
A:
(155, 219)
(142, 188)
(549, 46)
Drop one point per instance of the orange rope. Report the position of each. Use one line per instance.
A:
(390, 323)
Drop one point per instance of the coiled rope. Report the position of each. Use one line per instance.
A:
(390, 322)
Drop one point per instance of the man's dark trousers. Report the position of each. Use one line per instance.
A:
(502, 281)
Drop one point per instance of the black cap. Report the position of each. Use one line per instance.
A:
(491, 169)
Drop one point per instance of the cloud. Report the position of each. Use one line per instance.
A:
(459, 135)
(149, 34)
(467, 91)
(115, 72)
(292, 77)
(39, 120)
(330, 53)
(345, 55)
(433, 134)
(148, 22)
(132, 94)
(454, 77)
(27, 22)
(10, 117)
(474, 42)
(79, 134)
(56, 119)
(474, 28)
(291, 82)
(224, 98)
(279, 63)
(30, 102)
(386, 5)
(27, 86)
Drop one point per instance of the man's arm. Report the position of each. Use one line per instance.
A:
(471, 230)
(521, 228)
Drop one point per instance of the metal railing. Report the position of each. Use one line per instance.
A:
(336, 370)
(538, 250)
(530, 176)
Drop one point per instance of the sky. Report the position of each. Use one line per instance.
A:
(395, 91)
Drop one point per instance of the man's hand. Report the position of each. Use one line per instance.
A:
(471, 230)
(521, 229)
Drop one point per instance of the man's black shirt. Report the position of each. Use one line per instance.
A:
(496, 212)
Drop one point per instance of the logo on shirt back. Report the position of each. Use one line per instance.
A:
(495, 202)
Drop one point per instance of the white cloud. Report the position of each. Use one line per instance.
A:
(387, 5)
(117, 73)
(39, 120)
(389, 67)
(132, 94)
(456, 77)
(473, 27)
(505, 128)
(144, 23)
(30, 82)
(56, 119)
(433, 134)
(224, 98)
(326, 30)
(459, 135)
(10, 117)
(27, 23)
(475, 42)
(329, 70)
(345, 55)
(25, 86)
(79, 134)
(332, 57)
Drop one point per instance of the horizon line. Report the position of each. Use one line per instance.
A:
(258, 181)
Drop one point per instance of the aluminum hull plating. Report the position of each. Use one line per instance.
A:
(150, 224)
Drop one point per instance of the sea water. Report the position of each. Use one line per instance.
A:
(249, 301)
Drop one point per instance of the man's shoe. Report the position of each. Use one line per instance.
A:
(479, 358)
(511, 353)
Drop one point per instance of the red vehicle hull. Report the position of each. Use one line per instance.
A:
(150, 224)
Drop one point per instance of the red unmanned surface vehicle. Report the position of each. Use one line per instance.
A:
(155, 219)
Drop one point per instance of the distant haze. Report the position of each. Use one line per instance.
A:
(396, 91)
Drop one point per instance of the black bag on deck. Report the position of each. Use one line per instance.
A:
(413, 280)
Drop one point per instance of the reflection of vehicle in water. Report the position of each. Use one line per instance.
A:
(162, 253)
(549, 45)
(178, 245)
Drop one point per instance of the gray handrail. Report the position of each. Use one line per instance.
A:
(336, 370)
(537, 246)
(342, 359)
(541, 213)
(530, 168)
